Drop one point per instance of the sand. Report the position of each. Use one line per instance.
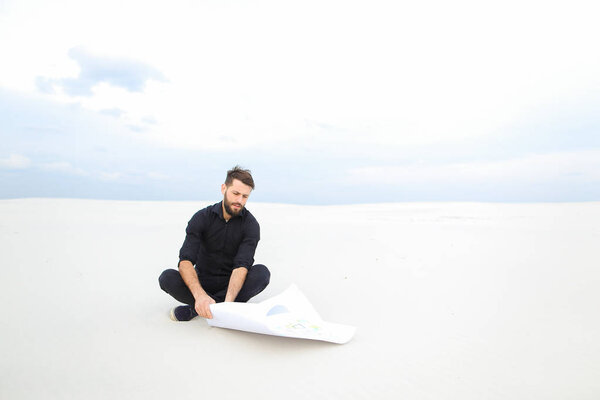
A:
(451, 301)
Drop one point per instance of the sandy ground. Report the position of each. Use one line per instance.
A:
(451, 301)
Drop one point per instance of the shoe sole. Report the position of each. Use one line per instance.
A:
(172, 315)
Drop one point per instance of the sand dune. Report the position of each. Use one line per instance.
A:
(451, 301)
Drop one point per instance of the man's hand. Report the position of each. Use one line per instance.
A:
(202, 306)
(190, 277)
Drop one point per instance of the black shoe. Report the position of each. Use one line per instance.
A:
(183, 313)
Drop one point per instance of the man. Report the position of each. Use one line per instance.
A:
(220, 242)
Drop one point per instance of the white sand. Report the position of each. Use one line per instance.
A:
(451, 301)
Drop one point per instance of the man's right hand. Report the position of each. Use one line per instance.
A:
(202, 306)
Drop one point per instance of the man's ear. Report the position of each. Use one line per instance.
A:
(223, 188)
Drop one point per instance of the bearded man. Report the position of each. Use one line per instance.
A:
(216, 261)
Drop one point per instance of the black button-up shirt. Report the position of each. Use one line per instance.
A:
(217, 247)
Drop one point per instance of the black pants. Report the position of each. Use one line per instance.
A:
(256, 281)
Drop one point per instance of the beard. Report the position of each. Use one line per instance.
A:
(232, 211)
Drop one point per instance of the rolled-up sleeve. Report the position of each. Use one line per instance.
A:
(193, 238)
(245, 255)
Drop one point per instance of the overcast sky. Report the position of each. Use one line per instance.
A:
(327, 102)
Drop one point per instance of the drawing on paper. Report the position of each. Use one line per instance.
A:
(289, 314)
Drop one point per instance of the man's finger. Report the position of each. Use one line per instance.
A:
(206, 311)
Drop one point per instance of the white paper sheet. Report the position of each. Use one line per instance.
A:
(288, 314)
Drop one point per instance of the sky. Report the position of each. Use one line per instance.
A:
(327, 102)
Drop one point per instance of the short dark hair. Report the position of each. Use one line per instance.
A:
(240, 174)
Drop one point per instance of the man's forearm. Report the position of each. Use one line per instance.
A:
(188, 273)
(238, 277)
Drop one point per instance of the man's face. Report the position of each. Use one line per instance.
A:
(235, 197)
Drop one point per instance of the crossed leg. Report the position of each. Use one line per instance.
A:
(256, 281)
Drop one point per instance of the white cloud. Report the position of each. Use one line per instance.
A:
(157, 176)
(581, 167)
(126, 73)
(380, 72)
(63, 166)
(15, 161)
(110, 176)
